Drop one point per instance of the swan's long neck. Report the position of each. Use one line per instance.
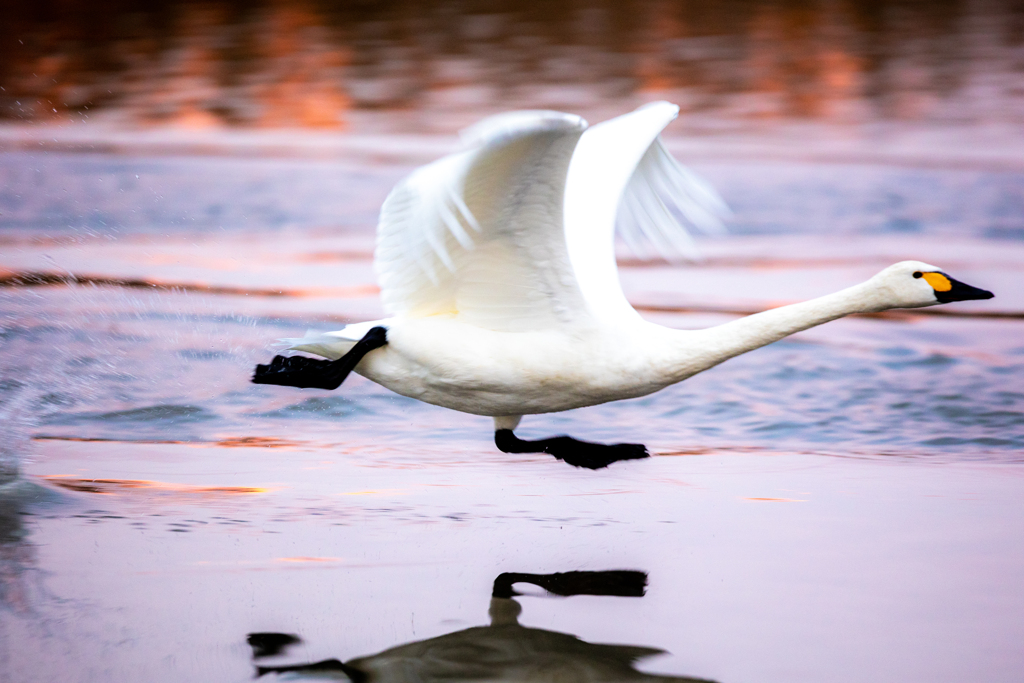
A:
(707, 348)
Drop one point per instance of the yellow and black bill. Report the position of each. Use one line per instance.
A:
(947, 289)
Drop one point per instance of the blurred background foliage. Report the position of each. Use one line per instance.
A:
(438, 64)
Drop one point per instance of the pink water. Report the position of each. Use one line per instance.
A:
(844, 505)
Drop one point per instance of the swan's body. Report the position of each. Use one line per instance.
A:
(498, 267)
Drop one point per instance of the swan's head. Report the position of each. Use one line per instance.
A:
(913, 284)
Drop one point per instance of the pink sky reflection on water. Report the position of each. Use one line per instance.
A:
(769, 567)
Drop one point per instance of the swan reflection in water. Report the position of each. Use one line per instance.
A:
(502, 651)
(20, 583)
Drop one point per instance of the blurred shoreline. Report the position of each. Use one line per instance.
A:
(886, 81)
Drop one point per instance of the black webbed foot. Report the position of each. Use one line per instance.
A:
(298, 371)
(310, 373)
(592, 456)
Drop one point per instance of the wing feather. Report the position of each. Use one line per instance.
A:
(674, 200)
(478, 234)
(622, 175)
(517, 232)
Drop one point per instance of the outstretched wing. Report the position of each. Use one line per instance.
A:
(478, 235)
(622, 173)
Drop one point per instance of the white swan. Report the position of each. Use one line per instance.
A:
(497, 266)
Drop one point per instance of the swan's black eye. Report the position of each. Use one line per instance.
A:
(918, 274)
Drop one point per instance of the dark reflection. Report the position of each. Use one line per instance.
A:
(501, 651)
(621, 583)
(19, 499)
(270, 644)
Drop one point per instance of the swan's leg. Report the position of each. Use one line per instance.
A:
(592, 456)
(306, 373)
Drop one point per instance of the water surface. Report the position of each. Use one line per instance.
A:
(843, 505)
